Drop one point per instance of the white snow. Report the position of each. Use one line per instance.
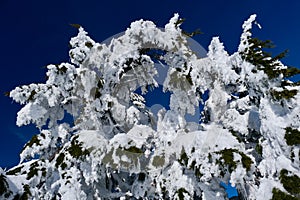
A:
(116, 148)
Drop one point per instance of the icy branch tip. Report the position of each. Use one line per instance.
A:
(248, 23)
(172, 23)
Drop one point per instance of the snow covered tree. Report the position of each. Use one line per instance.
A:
(115, 148)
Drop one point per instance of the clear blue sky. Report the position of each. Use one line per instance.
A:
(36, 33)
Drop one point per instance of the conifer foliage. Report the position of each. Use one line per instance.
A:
(116, 148)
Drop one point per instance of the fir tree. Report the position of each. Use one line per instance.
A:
(117, 149)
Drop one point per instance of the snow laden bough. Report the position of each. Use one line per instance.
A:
(115, 148)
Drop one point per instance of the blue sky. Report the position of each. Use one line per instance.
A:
(36, 33)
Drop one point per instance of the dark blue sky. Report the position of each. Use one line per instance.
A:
(36, 33)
